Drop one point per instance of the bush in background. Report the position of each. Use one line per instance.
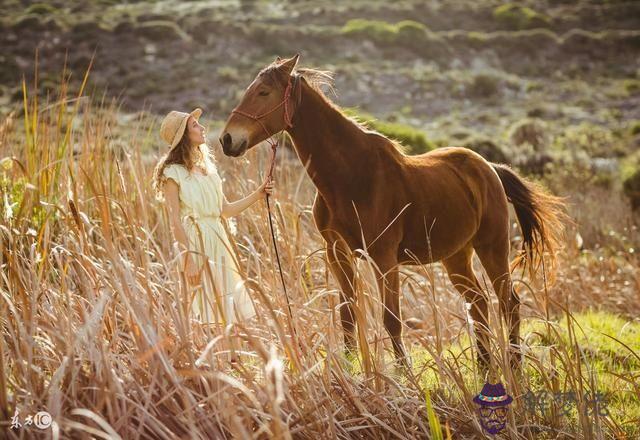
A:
(411, 137)
(486, 148)
(407, 33)
(484, 85)
(517, 17)
(371, 29)
(528, 130)
(631, 180)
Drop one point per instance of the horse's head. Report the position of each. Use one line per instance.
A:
(261, 111)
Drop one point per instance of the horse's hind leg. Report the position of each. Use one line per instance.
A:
(495, 259)
(460, 271)
(389, 284)
(341, 265)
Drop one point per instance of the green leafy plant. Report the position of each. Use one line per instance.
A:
(517, 17)
(407, 135)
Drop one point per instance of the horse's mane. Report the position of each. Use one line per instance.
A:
(317, 79)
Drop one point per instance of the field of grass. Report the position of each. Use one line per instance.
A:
(93, 306)
(96, 332)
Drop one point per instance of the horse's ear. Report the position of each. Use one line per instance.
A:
(290, 64)
(278, 59)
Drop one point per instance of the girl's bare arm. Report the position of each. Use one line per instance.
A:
(231, 209)
(171, 196)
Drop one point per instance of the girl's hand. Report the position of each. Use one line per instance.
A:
(267, 186)
(192, 272)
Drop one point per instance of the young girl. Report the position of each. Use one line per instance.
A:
(192, 189)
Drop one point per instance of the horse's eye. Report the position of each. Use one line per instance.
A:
(263, 93)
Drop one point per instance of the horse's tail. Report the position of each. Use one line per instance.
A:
(542, 218)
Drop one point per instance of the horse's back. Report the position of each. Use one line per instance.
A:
(451, 155)
(451, 189)
(446, 162)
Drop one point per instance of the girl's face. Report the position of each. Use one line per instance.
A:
(195, 131)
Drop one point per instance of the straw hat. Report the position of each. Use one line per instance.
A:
(174, 124)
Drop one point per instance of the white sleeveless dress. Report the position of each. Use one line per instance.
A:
(200, 207)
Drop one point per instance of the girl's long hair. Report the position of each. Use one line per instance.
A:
(183, 154)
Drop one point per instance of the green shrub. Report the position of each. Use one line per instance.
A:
(486, 148)
(408, 136)
(405, 134)
(529, 130)
(26, 21)
(631, 186)
(517, 17)
(373, 29)
(40, 9)
(484, 85)
(477, 37)
(228, 73)
(408, 34)
(632, 86)
(537, 112)
(593, 140)
(410, 31)
(536, 162)
(406, 31)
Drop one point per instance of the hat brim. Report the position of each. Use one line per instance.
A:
(196, 114)
(495, 403)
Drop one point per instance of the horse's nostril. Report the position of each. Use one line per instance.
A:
(225, 140)
(244, 144)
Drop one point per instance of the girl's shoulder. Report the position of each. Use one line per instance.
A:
(176, 171)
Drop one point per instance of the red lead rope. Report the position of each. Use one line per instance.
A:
(274, 147)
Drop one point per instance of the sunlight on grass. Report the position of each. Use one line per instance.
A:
(95, 324)
(609, 347)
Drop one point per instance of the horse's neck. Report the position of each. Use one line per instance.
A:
(330, 147)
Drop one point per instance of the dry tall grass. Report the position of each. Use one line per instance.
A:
(95, 328)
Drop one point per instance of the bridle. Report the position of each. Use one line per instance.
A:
(288, 115)
(287, 111)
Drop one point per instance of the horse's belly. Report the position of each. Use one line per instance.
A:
(434, 242)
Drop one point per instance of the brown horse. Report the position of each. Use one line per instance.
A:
(401, 209)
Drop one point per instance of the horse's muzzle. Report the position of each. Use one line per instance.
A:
(231, 150)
